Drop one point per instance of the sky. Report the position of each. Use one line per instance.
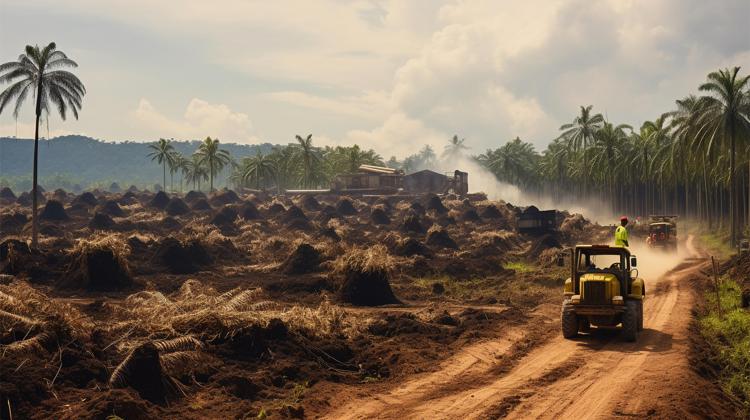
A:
(392, 75)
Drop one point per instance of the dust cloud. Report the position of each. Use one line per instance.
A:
(654, 263)
(482, 180)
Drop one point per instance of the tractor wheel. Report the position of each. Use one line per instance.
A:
(569, 320)
(640, 315)
(630, 320)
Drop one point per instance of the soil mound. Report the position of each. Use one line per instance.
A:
(292, 214)
(7, 194)
(128, 199)
(86, 198)
(54, 231)
(382, 201)
(224, 197)
(309, 203)
(541, 244)
(366, 275)
(470, 215)
(248, 211)
(417, 208)
(133, 188)
(60, 195)
(437, 236)
(491, 212)
(182, 257)
(160, 200)
(330, 233)
(101, 221)
(141, 370)
(304, 259)
(346, 207)
(114, 188)
(411, 246)
(225, 217)
(328, 213)
(98, 265)
(434, 203)
(193, 196)
(573, 224)
(176, 207)
(201, 204)
(169, 223)
(12, 222)
(111, 208)
(25, 199)
(275, 209)
(412, 224)
(378, 216)
(299, 224)
(53, 210)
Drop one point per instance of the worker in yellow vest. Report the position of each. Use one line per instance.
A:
(621, 233)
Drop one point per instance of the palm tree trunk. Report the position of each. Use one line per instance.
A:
(34, 185)
(732, 189)
(164, 176)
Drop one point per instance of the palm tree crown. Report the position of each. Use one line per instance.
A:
(40, 70)
(163, 154)
(212, 157)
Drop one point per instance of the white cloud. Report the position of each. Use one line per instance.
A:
(201, 119)
(370, 106)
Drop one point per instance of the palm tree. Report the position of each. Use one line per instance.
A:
(178, 165)
(212, 158)
(310, 160)
(580, 133)
(454, 148)
(607, 153)
(195, 172)
(725, 117)
(162, 153)
(258, 169)
(39, 70)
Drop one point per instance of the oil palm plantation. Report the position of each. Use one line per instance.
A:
(725, 118)
(212, 158)
(40, 72)
(163, 153)
(258, 170)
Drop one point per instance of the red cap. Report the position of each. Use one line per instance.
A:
(624, 218)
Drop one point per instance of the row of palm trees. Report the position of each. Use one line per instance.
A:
(300, 165)
(297, 165)
(204, 165)
(687, 161)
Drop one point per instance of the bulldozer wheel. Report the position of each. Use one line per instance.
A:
(640, 315)
(569, 320)
(630, 321)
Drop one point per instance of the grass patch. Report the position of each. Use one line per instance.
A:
(718, 243)
(728, 334)
(519, 267)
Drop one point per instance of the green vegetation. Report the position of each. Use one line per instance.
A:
(40, 70)
(687, 161)
(726, 329)
(519, 266)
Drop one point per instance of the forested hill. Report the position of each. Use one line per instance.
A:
(69, 160)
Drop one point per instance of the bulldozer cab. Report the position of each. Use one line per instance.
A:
(601, 259)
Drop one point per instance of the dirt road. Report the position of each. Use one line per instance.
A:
(596, 376)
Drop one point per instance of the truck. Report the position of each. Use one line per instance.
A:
(603, 290)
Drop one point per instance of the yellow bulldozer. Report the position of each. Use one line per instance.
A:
(603, 290)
